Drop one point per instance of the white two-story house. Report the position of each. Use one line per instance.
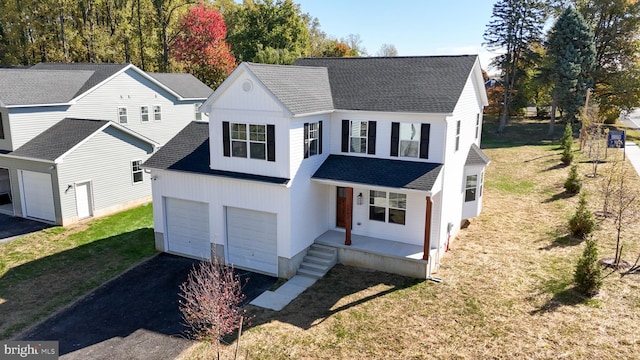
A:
(376, 154)
(73, 136)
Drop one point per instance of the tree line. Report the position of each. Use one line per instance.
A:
(165, 35)
(592, 44)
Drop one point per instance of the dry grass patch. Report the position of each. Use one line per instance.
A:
(507, 290)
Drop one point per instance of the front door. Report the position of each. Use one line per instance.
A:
(341, 206)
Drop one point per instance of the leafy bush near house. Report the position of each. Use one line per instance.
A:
(582, 222)
(573, 184)
(588, 274)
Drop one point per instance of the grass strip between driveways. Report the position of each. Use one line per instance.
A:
(46, 270)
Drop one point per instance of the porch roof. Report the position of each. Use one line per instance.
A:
(402, 174)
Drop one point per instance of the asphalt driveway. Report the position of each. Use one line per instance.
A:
(136, 316)
(13, 227)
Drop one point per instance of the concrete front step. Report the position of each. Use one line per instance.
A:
(318, 261)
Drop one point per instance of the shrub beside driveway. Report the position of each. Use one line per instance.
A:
(44, 271)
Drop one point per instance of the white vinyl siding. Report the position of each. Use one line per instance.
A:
(111, 177)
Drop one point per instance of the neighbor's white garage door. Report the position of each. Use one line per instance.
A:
(37, 195)
(187, 227)
(252, 240)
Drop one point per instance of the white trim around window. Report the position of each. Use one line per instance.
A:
(123, 118)
(198, 113)
(458, 125)
(144, 114)
(387, 207)
(137, 174)
(157, 113)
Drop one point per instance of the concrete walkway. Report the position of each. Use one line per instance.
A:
(277, 300)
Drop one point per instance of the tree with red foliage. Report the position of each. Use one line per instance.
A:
(200, 47)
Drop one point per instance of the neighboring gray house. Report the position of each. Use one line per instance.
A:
(73, 136)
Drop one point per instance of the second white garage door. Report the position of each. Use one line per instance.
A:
(37, 195)
(187, 227)
(252, 240)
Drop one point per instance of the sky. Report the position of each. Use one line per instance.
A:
(414, 27)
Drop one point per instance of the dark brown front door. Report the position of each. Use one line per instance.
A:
(341, 206)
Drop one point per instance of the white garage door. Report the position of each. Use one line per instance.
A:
(187, 227)
(252, 240)
(37, 195)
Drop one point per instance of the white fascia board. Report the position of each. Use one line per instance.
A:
(37, 105)
(27, 158)
(368, 186)
(313, 113)
(393, 112)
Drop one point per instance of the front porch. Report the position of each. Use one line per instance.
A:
(379, 254)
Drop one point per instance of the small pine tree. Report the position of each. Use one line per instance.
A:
(582, 223)
(588, 274)
(573, 183)
(567, 145)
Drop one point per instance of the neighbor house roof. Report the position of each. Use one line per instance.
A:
(379, 172)
(101, 72)
(62, 137)
(185, 85)
(188, 151)
(476, 156)
(29, 87)
(423, 84)
(302, 90)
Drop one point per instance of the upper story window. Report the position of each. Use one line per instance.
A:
(144, 113)
(1, 127)
(122, 115)
(457, 135)
(387, 207)
(136, 171)
(197, 111)
(255, 141)
(312, 139)
(359, 136)
(157, 113)
(410, 140)
(477, 125)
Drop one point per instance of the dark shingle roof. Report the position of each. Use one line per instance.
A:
(379, 172)
(185, 85)
(58, 139)
(29, 87)
(476, 156)
(425, 84)
(188, 151)
(101, 72)
(300, 89)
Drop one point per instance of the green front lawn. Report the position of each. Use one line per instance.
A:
(44, 271)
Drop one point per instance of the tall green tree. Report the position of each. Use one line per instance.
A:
(572, 55)
(616, 29)
(262, 24)
(514, 25)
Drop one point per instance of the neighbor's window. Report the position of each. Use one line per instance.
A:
(122, 115)
(391, 209)
(144, 113)
(239, 140)
(311, 140)
(470, 188)
(197, 110)
(157, 113)
(409, 144)
(358, 137)
(136, 171)
(258, 142)
(457, 135)
(477, 125)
